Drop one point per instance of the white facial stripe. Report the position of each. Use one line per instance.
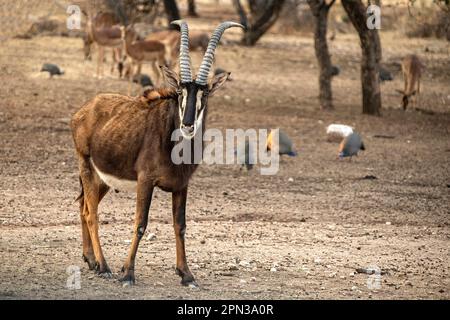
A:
(199, 99)
(183, 104)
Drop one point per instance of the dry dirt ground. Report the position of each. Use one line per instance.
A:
(299, 234)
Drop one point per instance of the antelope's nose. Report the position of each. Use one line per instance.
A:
(188, 128)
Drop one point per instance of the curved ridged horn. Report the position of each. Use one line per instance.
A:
(185, 60)
(208, 58)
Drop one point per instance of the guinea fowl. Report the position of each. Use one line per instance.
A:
(52, 69)
(245, 155)
(350, 146)
(220, 71)
(385, 75)
(335, 71)
(143, 79)
(285, 144)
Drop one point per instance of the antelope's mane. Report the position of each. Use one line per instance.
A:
(154, 94)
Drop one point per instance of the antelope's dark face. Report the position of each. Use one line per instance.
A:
(192, 100)
(192, 103)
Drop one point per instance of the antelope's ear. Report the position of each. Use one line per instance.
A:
(170, 77)
(218, 81)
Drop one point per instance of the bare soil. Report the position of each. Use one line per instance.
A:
(300, 234)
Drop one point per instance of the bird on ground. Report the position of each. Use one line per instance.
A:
(385, 75)
(52, 69)
(350, 146)
(143, 79)
(245, 155)
(337, 132)
(285, 145)
(335, 71)
(218, 71)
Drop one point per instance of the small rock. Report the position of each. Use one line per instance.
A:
(253, 279)
(244, 263)
(202, 241)
(225, 193)
(273, 269)
(247, 100)
(232, 266)
(317, 261)
(227, 97)
(242, 281)
(127, 241)
(151, 237)
(354, 288)
(291, 179)
(388, 223)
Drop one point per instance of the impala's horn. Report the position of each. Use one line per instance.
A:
(185, 59)
(208, 58)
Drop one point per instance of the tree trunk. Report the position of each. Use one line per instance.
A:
(262, 23)
(320, 11)
(371, 56)
(191, 9)
(170, 6)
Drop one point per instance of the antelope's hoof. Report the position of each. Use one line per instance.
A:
(127, 278)
(90, 261)
(190, 284)
(187, 279)
(105, 275)
(103, 271)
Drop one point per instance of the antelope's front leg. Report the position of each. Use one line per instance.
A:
(144, 198)
(179, 225)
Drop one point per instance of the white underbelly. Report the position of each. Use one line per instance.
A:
(115, 182)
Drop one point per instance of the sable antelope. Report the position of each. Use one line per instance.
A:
(143, 51)
(125, 142)
(412, 71)
(105, 36)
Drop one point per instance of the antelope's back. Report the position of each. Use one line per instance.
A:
(108, 116)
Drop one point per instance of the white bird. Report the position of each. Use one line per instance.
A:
(337, 132)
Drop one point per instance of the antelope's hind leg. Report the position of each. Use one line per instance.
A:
(93, 192)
